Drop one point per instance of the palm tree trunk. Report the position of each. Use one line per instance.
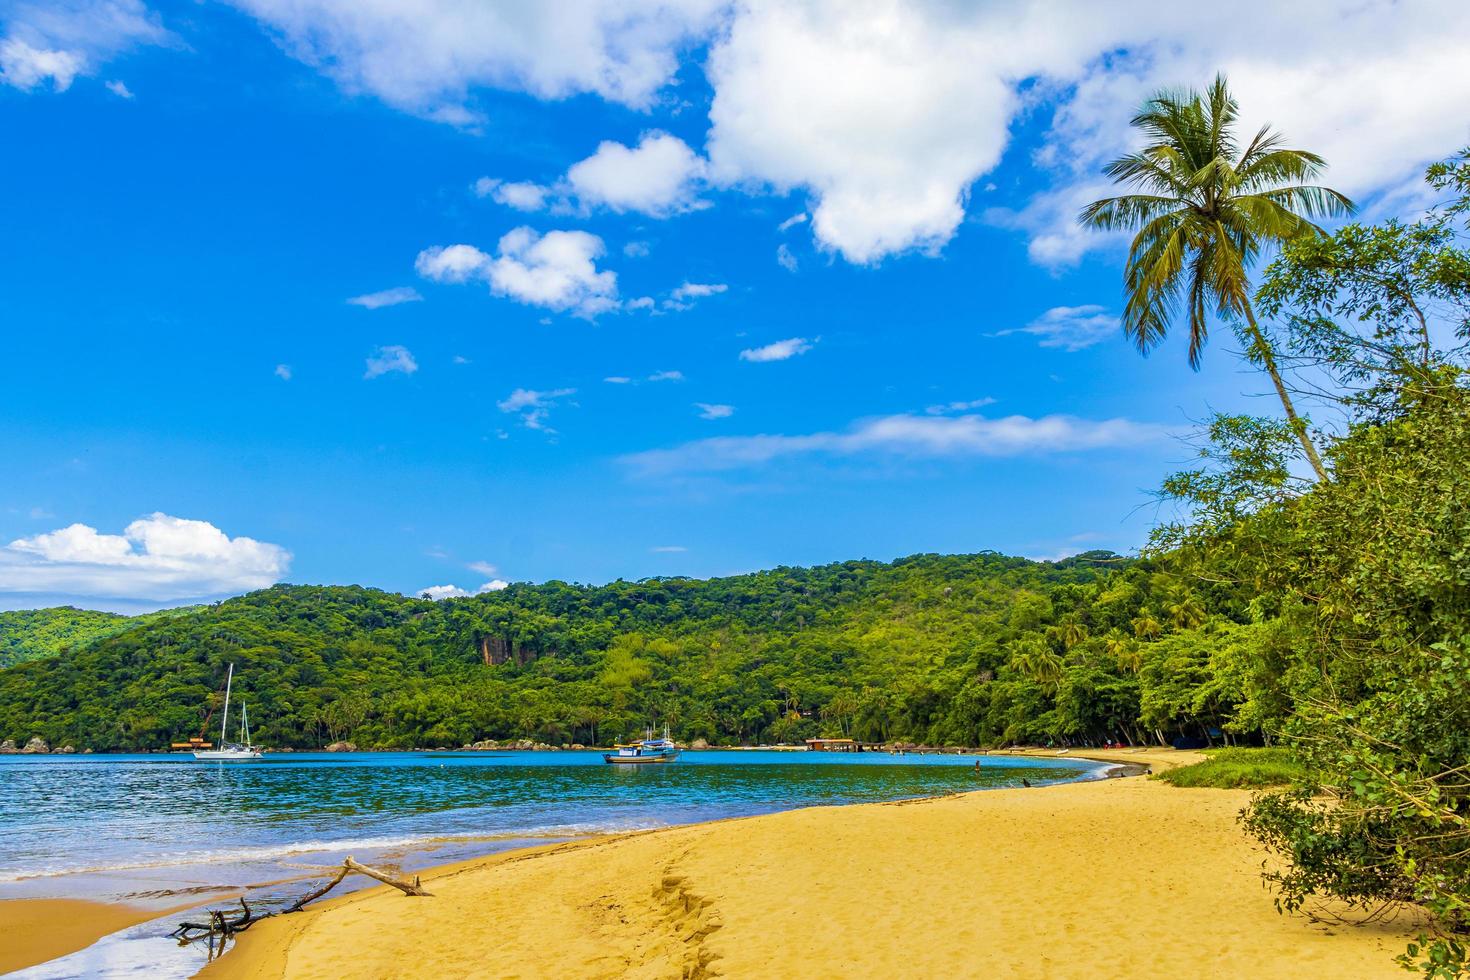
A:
(1268, 361)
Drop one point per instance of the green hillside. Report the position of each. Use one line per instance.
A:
(944, 649)
(30, 634)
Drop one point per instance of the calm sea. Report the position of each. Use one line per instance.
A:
(164, 829)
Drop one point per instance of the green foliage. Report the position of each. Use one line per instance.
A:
(1359, 603)
(1239, 768)
(980, 649)
(31, 634)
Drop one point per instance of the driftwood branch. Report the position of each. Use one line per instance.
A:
(220, 928)
(315, 894)
(410, 888)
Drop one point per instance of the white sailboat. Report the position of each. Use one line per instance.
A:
(241, 751)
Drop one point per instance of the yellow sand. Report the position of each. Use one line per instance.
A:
(1123, 878)
(34, 930)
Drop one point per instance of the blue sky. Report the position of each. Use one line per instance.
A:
(926, 359)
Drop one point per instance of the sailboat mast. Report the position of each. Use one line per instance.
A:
(224, 725)
(244, 723)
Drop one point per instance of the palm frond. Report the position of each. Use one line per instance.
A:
(1131, 211)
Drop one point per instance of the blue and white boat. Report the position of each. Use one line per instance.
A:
(647, 750)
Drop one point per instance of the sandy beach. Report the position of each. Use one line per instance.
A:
(34, 930)
(1116, 878)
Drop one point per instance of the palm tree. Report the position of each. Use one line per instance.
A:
(1206, 211)
(1033, 658)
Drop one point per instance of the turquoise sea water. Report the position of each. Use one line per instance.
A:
(164, 829)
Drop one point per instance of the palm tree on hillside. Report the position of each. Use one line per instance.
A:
(1205, 211)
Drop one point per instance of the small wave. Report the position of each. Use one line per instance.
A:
(266, 852)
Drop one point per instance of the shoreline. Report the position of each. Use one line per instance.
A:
(35, 930)
(1103, 877)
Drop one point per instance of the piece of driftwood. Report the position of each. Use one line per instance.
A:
(221, 928)
(410, 888)
(315, 894)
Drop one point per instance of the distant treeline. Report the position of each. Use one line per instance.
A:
(979, 649)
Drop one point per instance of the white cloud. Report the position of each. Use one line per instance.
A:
(386, 297)
(666, 376)
(119, 88)
(796, 219)
(534, 406)
(157, 557)
(483, 567)
(440, 592)
(425, 56)
(786, 258)
(636, 250)
(641, 303)
(1071, 328)
(521, 195)
(669, 549)
(680, 298)
(394, 358)
(557, 270)
(696, 290)
(283, 371)
(452, 263)
(708, 411)
(58, 42)
(910, 436)
(885, 113)
(618, 379)
(25, 67)
(952, 408)
(778, 351)
(658, 177)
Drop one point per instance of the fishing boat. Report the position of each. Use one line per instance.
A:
(645, 751)
(241, 751)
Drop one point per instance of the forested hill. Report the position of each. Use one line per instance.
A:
(935, 648)
(29, 634)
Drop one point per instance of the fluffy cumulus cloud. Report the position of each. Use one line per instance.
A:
(158, 558)
(882, 111)
(53, 42)
(884, 114)
(659, 177)
(910, 436)
(386, 297)
(711, 412)
(426, 56)
(523, 195)
(1072, 328)
(781, 350)
(393, 359)
(557, 270)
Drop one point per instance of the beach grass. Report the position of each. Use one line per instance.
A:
(1238, 768)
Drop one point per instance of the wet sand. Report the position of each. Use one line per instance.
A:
(1115, 878)
(34, 930)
